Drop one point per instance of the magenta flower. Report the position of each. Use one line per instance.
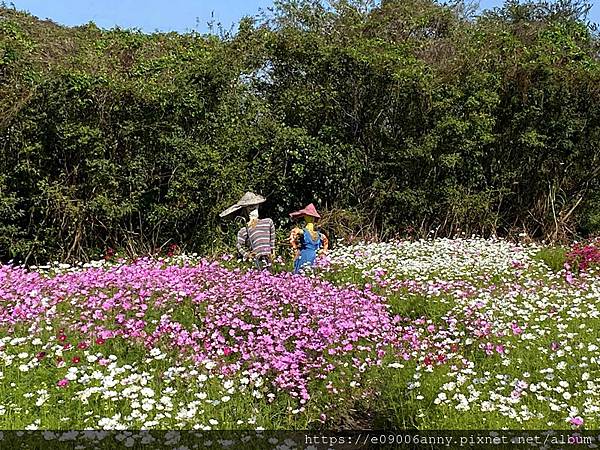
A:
(258, 320)
(516, 329)
(576, 421)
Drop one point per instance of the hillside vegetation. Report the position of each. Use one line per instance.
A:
(402, 116)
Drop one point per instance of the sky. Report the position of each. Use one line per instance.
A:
(167, 15)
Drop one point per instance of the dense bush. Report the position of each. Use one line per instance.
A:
(415, 115)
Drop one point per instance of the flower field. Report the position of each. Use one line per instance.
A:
(433, 334)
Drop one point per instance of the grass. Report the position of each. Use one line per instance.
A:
(553, 257)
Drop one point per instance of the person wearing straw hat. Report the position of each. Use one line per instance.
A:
(306, 241)
(256, 239)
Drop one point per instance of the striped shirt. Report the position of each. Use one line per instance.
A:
(261, 240)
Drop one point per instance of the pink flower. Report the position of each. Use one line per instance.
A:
(516, 329)
(569, 277)
(271, 329)
(106, 334)
(63, 383)
(576, 421)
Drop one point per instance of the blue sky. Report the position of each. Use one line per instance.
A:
(165, 15)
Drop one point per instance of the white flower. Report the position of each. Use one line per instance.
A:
(71, 376)
(147, 392)
(147, 406)
(42, 399)
(441, 397)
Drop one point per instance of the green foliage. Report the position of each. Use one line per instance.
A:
(412, 114)
(553, 257)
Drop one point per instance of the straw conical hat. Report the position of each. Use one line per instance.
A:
(248, 199)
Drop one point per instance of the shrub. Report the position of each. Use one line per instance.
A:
(583, 256)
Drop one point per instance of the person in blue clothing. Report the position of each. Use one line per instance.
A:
(307, 241)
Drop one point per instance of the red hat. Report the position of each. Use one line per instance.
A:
(309, 210)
